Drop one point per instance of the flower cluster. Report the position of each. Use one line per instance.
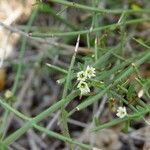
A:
(121, 112)
(82, 76)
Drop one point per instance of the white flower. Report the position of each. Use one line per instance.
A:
(8, 94)
(83, 86)
(90, 72)
(121, 112)
(81, 76)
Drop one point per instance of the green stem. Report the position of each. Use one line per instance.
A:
(3, 125)
(14, 136)
(57, 68)
(42, 129)
(111, 26)
(93, 9)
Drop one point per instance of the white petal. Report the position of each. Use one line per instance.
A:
(140, 93)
